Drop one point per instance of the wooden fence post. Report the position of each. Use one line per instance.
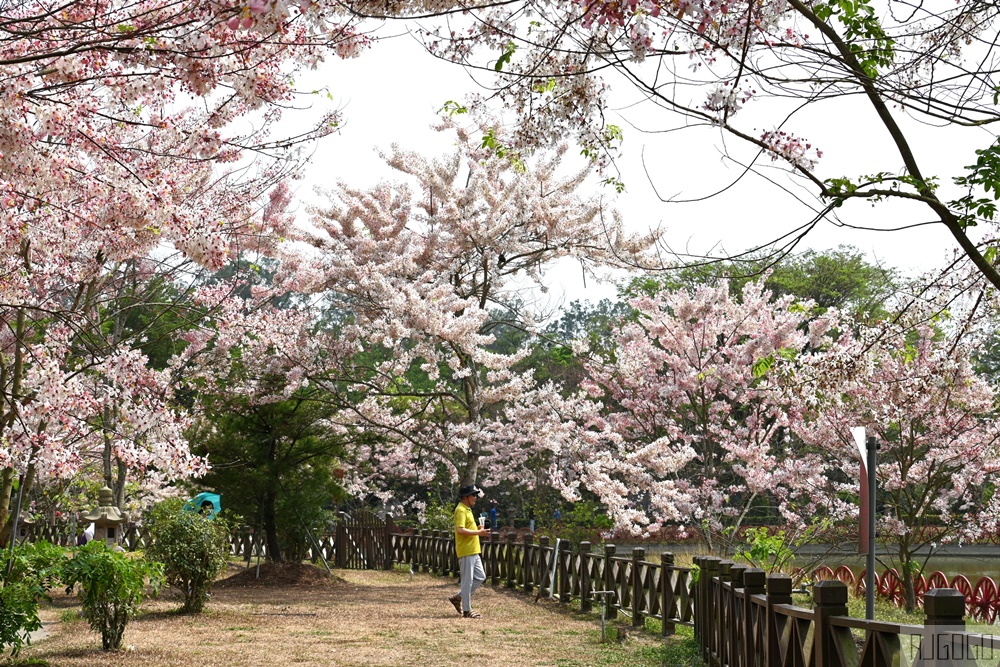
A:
(511, 542)
(754, 583)
(699, 607)
(585, 586)
(736, 637)
(779, 591)
(723, 612)
(526, 569)
(341, 541)
(564, 565)
(667, 593)
(942, 645)
(444, 558)
(610, 582)
(415, 550)
(830, 599)
(494, 546)
(709, 571)
(638, 592)
(542, 566)
(387, 542)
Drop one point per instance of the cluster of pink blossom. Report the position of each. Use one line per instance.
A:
(701, 426)
(794, 150)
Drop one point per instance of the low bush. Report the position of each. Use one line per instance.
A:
(193, 548)
(112, 585)
(25, 577)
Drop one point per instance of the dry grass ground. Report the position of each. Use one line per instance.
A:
(358, 619)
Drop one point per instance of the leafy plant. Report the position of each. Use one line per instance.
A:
(439, 517)
(112, 585)
(193, 548)
(765, 550)
(26, 575)
(18, 615)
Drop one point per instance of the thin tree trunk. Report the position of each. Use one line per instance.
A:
(119, 487)
(271, 529)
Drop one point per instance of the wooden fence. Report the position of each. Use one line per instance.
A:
(361, 541)
(631, 585)
(745, 618)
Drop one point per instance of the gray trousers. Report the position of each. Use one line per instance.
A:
(471, 576)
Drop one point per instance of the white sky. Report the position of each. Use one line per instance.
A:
(391, 95)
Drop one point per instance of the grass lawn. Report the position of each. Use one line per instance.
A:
(357, 619)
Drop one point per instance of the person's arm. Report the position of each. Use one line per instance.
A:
(462, 530)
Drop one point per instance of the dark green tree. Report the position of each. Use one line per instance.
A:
(842, 278)
(277, 465)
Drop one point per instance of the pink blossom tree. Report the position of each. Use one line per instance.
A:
(913, 388)
(427, 276)
(695, 392)
(129, 128)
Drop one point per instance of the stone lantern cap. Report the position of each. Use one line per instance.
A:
(105, 514)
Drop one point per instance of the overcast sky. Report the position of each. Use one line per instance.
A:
(391, 95)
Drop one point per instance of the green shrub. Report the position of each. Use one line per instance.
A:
(18, 615)
(112, 585)
(25, 576)
(764, 549)
(194, 549)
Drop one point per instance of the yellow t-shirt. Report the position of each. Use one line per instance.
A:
(466, 545)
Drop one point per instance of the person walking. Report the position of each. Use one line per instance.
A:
(467, 534)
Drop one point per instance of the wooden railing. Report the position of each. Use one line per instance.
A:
(631, 585)
(361, 541)
(745, 618)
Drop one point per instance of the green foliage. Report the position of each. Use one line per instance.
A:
(194, 549)
(18, 615)
(504, 59)
(766, 550)
(26, 575)
(616, 183)
(453, 108)
(112, 585)
(864, 35)
(763, 366)
(440, 517)
(582, 521)
(502, 151)
(840, 278)
(888, 184)
(985, 174)
(274, 465)
(38, 564)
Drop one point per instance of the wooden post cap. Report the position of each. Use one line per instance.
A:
(944, 603)
(830, 593)
(778, 584)
(754, 578)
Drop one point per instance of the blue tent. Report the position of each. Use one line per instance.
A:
(212, 502)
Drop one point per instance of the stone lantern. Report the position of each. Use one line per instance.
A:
(25, 526)
(107, 519)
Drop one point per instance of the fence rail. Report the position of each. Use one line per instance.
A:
(360, 541)
(637, 588)
(745, 618)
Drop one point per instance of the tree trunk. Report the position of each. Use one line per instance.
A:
(470, 471)
(6, 491)
(908, 568)
(271, 529)
(119, 487)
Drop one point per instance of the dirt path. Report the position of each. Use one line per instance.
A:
(363, 619)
